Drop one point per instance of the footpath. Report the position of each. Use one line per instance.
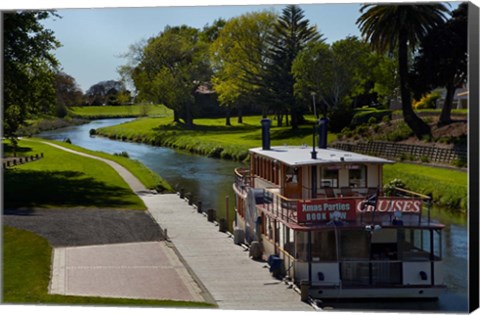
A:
(218, 271)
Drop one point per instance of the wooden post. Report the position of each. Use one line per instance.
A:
(199, 207)
(226, 209)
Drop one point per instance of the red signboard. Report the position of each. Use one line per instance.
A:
(312, 211)
(323, 210)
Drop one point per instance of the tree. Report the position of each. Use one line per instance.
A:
(174, 65)
(443, 60)
(239, 58)
(336, 73)
(105, 93)
(210, 33)
(291, 34)
(68, 93)
(401, 27)
(29, 67)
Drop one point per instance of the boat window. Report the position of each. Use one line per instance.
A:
(357, 176)
(292, 175)
(437, 244)
(354, 245)
(301, 245)
(289, 245)
(415, 244)
(329, 177)
(324, 246)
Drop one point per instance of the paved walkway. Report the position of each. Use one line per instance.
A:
(233, 279)
(149, 270)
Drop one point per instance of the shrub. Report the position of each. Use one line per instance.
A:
(459, 163)
(123, 153)
(365, 117)
(424, 159)
(93, 132)
(429, 101)
(400, 133)
(389, 189)
(67, 140)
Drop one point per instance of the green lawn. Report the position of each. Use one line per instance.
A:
(448, 187)
(150, 179)
(63, 179)
(26, 275)
(210, 136)
(97, 112)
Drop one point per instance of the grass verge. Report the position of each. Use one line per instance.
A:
(210, 137)
(99, 112)
(447, 187)
(149, 178)
(63, 179)
(26, 275)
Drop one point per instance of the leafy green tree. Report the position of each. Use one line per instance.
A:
(336, 73)
(291, 34)
(211, 32)
(174, 65)
(401, 27)
(68, 93)
(239, 58)
(443, 60)
(29, 66)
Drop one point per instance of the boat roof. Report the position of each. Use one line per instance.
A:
(301, 155)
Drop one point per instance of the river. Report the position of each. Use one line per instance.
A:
(210, 180)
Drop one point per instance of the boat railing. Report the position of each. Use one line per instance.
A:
(371, 273)
(242, 178)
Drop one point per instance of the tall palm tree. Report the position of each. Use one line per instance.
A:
(401, 27)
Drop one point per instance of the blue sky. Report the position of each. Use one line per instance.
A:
(93, 39)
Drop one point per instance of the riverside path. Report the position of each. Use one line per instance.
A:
(232, 279)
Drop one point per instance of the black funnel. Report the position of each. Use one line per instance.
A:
(266, 123)
(322, 133)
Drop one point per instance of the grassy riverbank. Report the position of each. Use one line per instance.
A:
(63, 179)
(100, 112)
(210, 137)
(27, 258)
(449, 188)
(147, 177)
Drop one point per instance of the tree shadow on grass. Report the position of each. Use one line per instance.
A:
(8, 149)
(27, 188)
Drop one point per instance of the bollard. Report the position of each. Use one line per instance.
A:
(41, 155)
(199, 207)
(222, 225)
(304, 287)
(166, 234)
(20, 160)
(36, 156)
(182, 193)
(255, 250)
(190, 200)
(211, 215)
(238, 236)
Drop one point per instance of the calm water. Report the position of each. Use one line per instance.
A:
(211, 180)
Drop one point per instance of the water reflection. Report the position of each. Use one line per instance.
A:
(210, 180)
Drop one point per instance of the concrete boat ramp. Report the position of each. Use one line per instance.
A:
(197, 263)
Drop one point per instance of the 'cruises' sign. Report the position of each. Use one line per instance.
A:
(311, 211)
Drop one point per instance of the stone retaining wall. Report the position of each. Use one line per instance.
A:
(393, 150)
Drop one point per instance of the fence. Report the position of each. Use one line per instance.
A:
(405, 151)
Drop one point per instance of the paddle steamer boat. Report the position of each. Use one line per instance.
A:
(321, 218)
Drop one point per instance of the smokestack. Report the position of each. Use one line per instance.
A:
(322, 133)
(266, 123)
